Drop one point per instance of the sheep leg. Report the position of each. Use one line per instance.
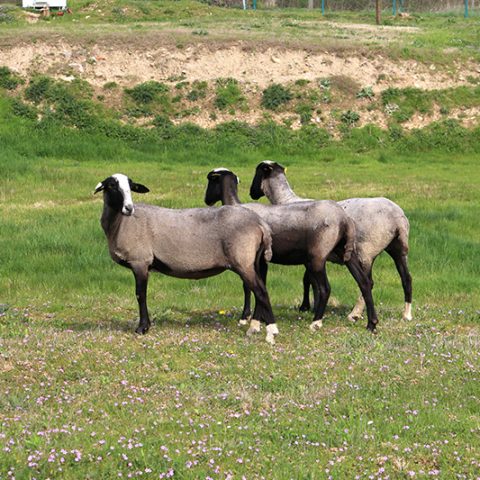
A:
(305, 306)
(322, 290)
(359, 307)
(247, 310)
(401, 262)
(141, 282)
(365, 284)
(263, 309)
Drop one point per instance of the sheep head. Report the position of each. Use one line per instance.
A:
(214, 192)
(266, 169)
(117, 192)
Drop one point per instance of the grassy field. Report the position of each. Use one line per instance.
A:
(81, 396)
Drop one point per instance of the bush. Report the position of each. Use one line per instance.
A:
(276, 95)
(199, 90)
(147, 92)
(8, 79)
(366, 92)
(350, 117)
(21, 109)
(38, 89)
(228, 94)
(164, 127)
(305, 111)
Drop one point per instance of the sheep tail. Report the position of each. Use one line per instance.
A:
(349, 240)
(266, 241)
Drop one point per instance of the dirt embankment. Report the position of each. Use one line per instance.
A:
(254, 66)
(129, 65)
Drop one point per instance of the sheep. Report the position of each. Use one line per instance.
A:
(381, 225)
(302, 234)
(190, 243)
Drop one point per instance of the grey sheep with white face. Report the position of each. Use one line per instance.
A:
(380, 225)
(189, 243)
(302, 234)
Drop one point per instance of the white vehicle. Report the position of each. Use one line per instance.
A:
(40, 4)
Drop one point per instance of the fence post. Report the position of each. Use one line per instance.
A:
(377, 11)
(466, 8)
(394, 8)
(323, 7)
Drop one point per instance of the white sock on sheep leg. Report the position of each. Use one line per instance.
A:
(272, 330)
(316, 325)
(242, 322)
(357, 310)
(407, 313)
(254, 327)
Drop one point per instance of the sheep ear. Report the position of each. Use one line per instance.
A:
(100, 186)
(138, 188)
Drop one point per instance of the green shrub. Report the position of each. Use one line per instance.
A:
(38, 88)
(199, 90)
(310, 136)
(228, 94)
(366, 92)
(350, 117)
(147, 92)
(275, 96)
(21, 109)
(164, 126)
(8, 79)
(305, 111)
(110, 86)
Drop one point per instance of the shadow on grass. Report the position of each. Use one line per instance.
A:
(171, 318)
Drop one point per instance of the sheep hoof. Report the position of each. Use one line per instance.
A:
(407, 313)
(316, 325)
(242, 322)
(304, 308)
(353, 317)
(272, 330)
(372, 329)
(142, 329)
(254, 328)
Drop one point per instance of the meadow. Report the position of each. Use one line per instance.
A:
(82, 396)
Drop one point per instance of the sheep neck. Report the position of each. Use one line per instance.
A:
(230, 191)
(278, 191)
(111, 219)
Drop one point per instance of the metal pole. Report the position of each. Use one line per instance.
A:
(394, 8)
(401, 5)
(254, 4)
(466, 8)
(323, 7)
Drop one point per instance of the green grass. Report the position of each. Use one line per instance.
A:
(81, 396)
(440, 39)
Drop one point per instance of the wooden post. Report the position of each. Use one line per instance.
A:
(378, 8)
(310, 4)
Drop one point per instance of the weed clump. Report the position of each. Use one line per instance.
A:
(275, 96)
(198, 91)
(350, 117)
(228, 95)
(8, 79)
(38, 88)
(147, 92)
(21, 109)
